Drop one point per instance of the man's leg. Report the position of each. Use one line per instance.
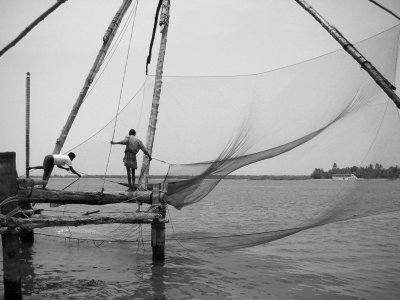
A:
(48, 165)
(133, 178)
(35, 168)
(128, 172)
(46, 175)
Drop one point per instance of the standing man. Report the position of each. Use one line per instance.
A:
(133, 144)
(59, 160)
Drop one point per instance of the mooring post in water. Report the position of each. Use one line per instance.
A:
(27, 235)
(158, 229)
(10, 241)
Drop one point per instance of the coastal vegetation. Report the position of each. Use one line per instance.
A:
(370, 171)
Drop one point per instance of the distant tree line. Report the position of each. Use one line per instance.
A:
(377, 171)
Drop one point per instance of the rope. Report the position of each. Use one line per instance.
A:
(173, 230)
(71, 183)
(120, 93)
(101, 129)
(9, 200)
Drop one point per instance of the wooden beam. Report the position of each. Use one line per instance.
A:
(90, 198)
(50, 221)
(29, 182)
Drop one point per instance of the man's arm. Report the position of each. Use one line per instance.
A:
(123, 142)
(143, 148)
(75, 172)
(61, 167)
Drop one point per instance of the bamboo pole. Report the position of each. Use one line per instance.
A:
(164, 22)
(386, 86)
(11, 242)
(31, 26)
(107, 40)
(385, 9)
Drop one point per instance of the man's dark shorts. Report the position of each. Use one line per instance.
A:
(48, 165)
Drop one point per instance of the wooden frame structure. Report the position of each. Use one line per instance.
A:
(15, 221)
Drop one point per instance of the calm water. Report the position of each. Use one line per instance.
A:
(352, 259)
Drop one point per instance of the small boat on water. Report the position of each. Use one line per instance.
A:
(344, 177)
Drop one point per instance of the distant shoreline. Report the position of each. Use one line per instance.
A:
(231, 177)
(234, 177)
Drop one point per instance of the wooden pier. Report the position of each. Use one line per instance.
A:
(18, 221)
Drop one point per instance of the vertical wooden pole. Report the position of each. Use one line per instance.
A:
(10, 240)
(27, 122)
(158, 230)
(27, 235)
(151, 130)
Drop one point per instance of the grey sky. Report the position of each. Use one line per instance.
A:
(205, 38)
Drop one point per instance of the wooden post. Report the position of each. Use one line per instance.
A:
(27, 235)
(10, 240)
(158, 229)
(27, 122)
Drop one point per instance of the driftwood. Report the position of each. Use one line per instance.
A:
(12, 223)
(90, 198)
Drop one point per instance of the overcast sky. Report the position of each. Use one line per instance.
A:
(206, 37)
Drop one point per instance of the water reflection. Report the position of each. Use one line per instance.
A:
(158, 275)
(27, 268)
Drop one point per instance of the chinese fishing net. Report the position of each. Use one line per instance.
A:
(302, 116)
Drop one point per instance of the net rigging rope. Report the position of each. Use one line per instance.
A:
(120, 93)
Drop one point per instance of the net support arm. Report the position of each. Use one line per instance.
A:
(107, 40)
(386, 86)
(164, 21)
(31, 26)
(385, 9)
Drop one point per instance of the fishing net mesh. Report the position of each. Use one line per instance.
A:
(276, 111)
(211, 126)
